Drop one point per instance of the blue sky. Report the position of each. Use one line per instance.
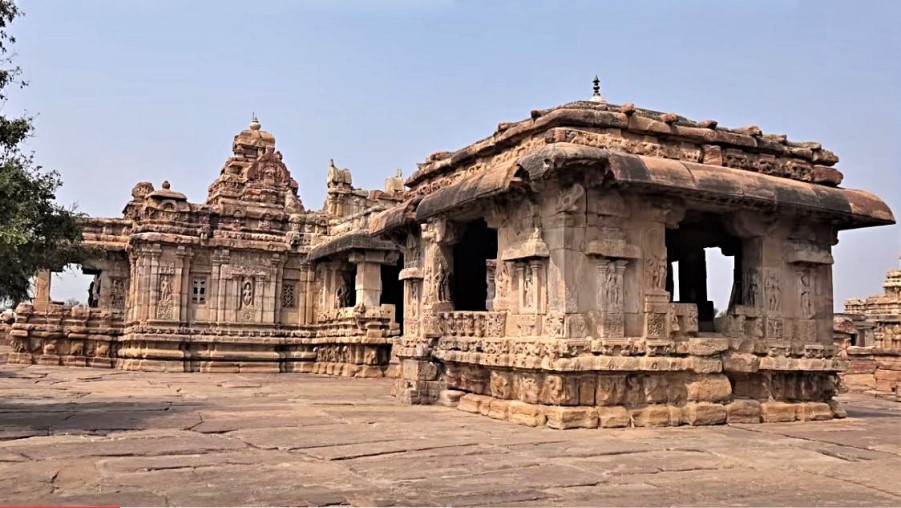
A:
(131, 90)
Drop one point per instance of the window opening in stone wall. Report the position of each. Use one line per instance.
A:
(470, 257)
(198, 290)
(670, 285)
(75, 285)
(710, 286)
(393, 290)
(289, 295)
(722, 286)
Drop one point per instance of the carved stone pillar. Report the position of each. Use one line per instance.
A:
(215, 281)
(180, 284)
(222, 286)
(490, 270)
(42, 290)
(154, 281)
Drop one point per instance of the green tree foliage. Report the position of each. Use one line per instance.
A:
(35, 232)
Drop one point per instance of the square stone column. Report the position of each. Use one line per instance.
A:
(368, 284)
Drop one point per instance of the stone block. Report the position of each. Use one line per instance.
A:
(743, 411)
(703, 413)
(657, 415)
(888, 362)
(676, 391)
(807, 411)
(498, 408)
(54, 360)
(773, 412)
(472, 403)
(524, 413)
(419, 370)
(703, 365)
(611, 390)
(561, 417)
(838, 411)
(704, 346)
(450, 398)
(709, 388)
(613, 416)
(886, 385)
(887, 375)
(825, 175)
(587, 390)
(741, 362)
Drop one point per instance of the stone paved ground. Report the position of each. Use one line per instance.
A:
(71, 435)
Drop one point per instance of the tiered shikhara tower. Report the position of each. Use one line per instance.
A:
(529, 276)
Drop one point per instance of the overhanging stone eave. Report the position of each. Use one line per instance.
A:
(471, 189)
(847, 208)
(359, 240)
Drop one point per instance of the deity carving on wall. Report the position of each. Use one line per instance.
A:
(444, 280)
(527, 289)
(164, 306)
(117, 293)
(247, 291)
(656, 272)
(806, 302)
(771, 286)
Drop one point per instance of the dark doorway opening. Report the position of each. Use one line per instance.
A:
(470, 284)
(393, 290)
(699, 236)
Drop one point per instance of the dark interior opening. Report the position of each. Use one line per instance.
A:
(393, 290)
(685, 249)
(346, 292)
(469, 287)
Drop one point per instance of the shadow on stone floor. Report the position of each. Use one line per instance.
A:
(872, 413)
(34, 417)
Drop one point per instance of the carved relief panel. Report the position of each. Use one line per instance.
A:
(164, 307)
(530, 277)
(246, 297)
(117, 292)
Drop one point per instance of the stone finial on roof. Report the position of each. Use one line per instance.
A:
(254, 123)
(596, 95)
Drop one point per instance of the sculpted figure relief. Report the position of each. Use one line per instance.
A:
(342, 295)
(247, 293)
(752, 290)
(806, 302)
(527, 292)
(656, 268)
(771, 285)
(164, 306)
(444, 280)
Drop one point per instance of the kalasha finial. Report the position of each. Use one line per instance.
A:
(596, 96)
(254, 123)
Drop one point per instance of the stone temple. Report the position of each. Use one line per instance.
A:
(530, 276)
(871, 332)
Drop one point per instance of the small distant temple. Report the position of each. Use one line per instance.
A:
(531, 276)
(869, 333)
